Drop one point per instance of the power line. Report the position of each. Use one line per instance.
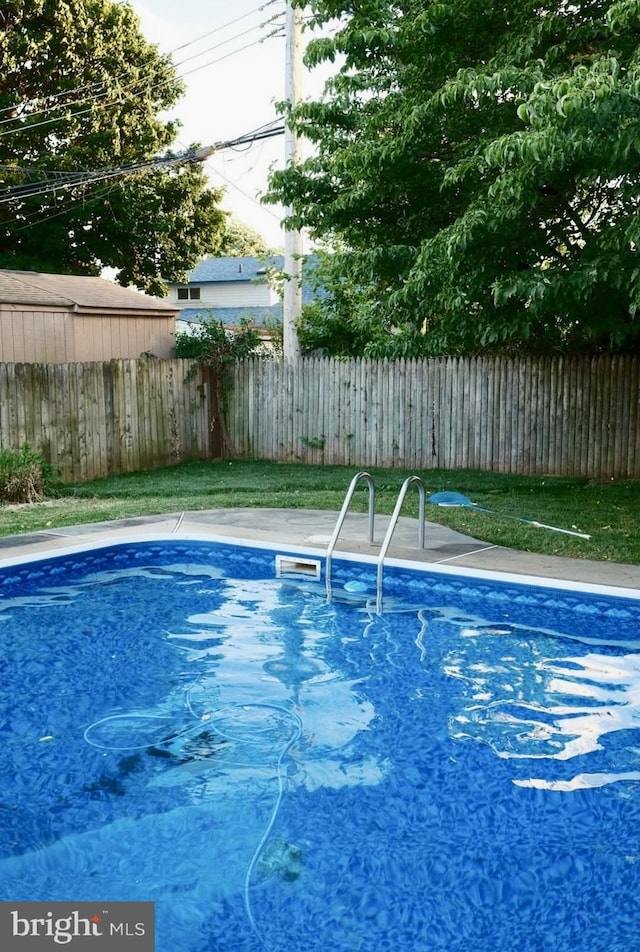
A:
(45, 182)
(74, 180)
(62, 208)
(106, 92)
(225, 25)
(236, 36)
(246, 194)
(263, 39)
(118, 101)
(117, 98)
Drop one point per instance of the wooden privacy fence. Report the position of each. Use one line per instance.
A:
(556, 416)
(98, 419)
(549, 415)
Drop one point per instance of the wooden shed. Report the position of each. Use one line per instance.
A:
(59, 318)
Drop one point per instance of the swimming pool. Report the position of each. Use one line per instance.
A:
(275, 771)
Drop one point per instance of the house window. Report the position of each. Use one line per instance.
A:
(184, 294)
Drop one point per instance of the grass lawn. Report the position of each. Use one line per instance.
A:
(609, 512)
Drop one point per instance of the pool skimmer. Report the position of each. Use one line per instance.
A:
(288, 566)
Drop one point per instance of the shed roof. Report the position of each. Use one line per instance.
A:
(77, 291)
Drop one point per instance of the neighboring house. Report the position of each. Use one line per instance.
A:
(58, 318)
(230, 290)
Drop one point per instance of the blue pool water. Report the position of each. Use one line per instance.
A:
(460, 772)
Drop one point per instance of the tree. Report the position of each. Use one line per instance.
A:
(240, 240)
(477, 173)
(216, 350)
(87, 178)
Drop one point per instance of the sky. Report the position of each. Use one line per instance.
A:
(235, 74)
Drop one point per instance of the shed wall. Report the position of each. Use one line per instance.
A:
(35, 336)
(58, 335)
(112, 337)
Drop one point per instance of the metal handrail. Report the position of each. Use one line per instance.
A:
(343, 512)
(418, 483)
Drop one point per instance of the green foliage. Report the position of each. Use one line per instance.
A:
(25, 476)
(275, 329)
(82, 91)
(212, 345)
(240, 240)
(345, 318)
(216, 349)
(476, 175)
(314, 442)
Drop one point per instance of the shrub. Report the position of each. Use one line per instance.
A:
(212, 345)
(25, 476)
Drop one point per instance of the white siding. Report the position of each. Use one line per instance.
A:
(229, 294)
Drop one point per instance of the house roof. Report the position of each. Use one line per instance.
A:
(233, 269)
(77, 291)
(232, 316)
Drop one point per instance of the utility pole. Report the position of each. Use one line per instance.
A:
(292, 301)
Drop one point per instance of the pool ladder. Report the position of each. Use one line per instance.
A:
(368, 479)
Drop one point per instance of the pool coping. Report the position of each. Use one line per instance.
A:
(311, 529)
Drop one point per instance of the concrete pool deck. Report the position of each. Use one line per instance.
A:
(312, 529)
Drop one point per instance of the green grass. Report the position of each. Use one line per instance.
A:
(609, 512)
